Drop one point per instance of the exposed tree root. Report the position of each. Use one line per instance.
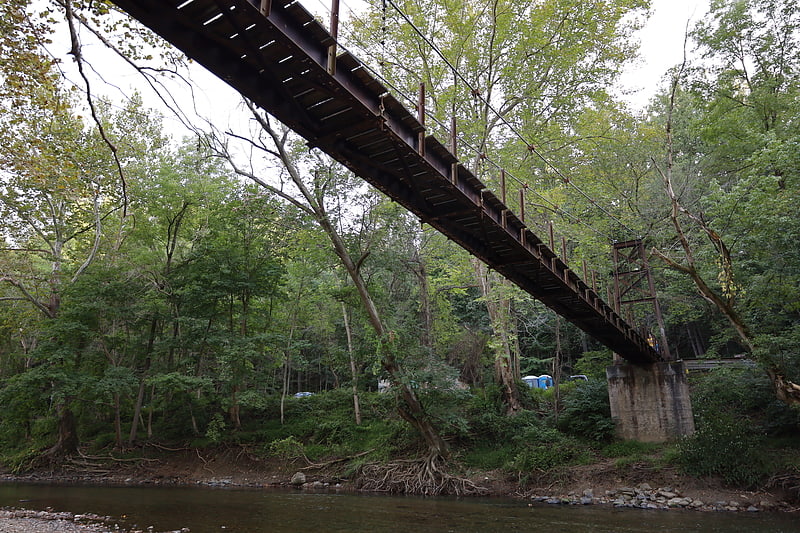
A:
(419, 476)
(313, 466)
(789, 482)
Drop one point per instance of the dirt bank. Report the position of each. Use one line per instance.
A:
(604, 483)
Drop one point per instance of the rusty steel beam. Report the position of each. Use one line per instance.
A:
(277, 55)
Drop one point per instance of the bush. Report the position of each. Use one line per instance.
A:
(287, 449)
(629, 448)
(587, 412)
(743, 393)
(215, 432)
(724, 446)
(545, 448)
(734, 409)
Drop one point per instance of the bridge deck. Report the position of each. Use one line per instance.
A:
(279, 61)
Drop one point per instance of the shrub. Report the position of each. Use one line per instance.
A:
(743, 393)
(215, 432)
(287, 449)
(544, 448)
(587, 412)
(627, 448)
(724, 446)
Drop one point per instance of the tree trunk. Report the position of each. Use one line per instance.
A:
(425, 312)
(233, 411)
(353, 373)
(68, 442)
(137, 408)
(150, 412)
(785, 390)
(137, 412)
(499, 310)
(411, 410)
(117, 422)
(557, 370)
(285, 378)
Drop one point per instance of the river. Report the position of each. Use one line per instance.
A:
(206, 510)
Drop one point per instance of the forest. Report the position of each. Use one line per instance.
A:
(168, 277)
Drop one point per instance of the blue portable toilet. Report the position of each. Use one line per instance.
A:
(545, 381)
(531, 381)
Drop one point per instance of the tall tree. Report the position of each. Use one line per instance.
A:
(735, 208)
(314, 195)
(514, 77)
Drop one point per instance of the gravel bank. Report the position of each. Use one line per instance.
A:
(25, 521)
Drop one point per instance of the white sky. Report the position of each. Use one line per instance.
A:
(661, 47)
(661, 44)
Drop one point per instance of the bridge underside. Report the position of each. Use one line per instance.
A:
(279, 60)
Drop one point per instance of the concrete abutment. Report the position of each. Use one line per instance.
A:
(650, 403)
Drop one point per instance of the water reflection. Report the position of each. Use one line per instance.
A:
(205, 510)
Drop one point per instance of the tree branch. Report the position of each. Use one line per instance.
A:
(75, 51)
(27, 295)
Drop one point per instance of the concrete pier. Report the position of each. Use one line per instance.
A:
(650, 403)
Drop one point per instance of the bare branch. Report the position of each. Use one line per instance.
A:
(221, 150)
(252, 143)
(97, 233)
(144, 71)
(75, 51)
(27, 295)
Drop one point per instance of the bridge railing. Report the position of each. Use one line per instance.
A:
(279, 56)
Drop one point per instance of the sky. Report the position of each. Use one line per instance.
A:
(661, 47)
(661, 44)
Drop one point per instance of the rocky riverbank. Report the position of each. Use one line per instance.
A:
(604, 484)
(27, 521)
(665, 498)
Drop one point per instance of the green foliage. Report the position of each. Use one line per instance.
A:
(544, 448)
(734, 410)
(743, 393)
(489, 457)
(324, 424)
(593, 364)
(20, 461)
(782, 347)
(627, 448)
(23, 403)
(103, 441)
(215, 431)
(487, 418)
(587, 412)
(727, 447)
(523, 443)
(208, 286)
(629, 452)
(288, 449)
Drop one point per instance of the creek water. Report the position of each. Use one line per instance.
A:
(206, 510)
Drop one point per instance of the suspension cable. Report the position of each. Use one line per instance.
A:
(531, 146)
(552, 206)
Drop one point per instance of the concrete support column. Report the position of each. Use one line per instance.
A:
(650, 403)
